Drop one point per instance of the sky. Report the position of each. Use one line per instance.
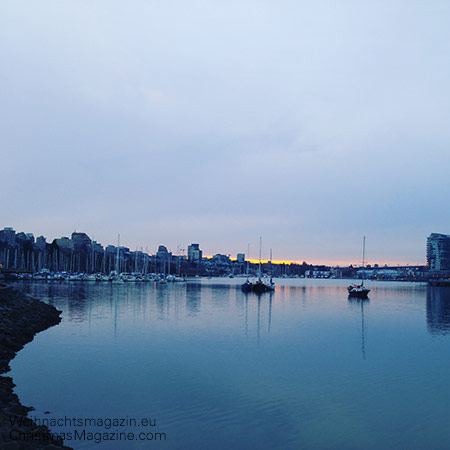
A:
(310, 124)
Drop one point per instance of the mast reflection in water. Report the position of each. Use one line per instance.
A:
(360, 302)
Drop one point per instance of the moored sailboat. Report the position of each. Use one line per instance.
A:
(248, 285)
(358, 290)
(259, 286)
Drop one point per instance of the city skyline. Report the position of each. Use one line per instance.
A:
(309, 124)
(182, 249)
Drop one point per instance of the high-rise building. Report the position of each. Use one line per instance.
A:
(8, 235)
(21, 238)
(240, 257)
(438, 252)
(194, 253)
(41, 242)
(162, 252)
(97, 247)
(64, 243)
(81, 241)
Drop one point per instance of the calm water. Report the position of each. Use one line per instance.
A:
(303, 368)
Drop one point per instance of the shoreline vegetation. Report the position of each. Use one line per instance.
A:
(21, 318)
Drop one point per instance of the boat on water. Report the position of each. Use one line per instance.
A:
(76, 277)
(128, 277)
(101, 277)
(89, 277)
(247, 286)
(359, 290)
(259, 286)
(179, 280)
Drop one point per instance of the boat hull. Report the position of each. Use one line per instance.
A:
(247, 287)
(259, 287)
(358, 292)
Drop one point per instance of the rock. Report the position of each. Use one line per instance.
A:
(21, 317)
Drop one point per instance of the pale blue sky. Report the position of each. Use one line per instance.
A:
(309, 123)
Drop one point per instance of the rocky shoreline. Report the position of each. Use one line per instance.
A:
(21, 318)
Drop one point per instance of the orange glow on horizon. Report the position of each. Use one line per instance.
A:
(335, 263)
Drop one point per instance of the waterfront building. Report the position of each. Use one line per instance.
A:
(8, 235)
(21, 237)
(111, 249)
(64, 243)
(194, 253)
(240, 257)
(80, 240)
(162, 252)
(97, 247)
(221, 259)
(41, 242)
(438, 252)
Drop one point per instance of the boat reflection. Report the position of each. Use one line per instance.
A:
(361, 301)
(260, 299)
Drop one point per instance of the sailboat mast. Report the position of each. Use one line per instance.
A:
(92, 255)
(364, 256)
(364, 250)
(270, 266)
(117, 261)
(259, 269)
(248, 257)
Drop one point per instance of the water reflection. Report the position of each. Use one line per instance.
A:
(163, 299)
(283, 370)
(77, 306)
(246, 314)
(259, 318)
(361, 302)
(438, 310)
(270, 309)
(193, 301)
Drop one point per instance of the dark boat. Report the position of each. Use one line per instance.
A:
(358, 291)
(260, 287)
(247, 286)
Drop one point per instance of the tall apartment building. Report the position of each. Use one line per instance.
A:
(194, 253)
(64, 243)
(41, 242)
(438, 252)
(80, 240)
(8, 235)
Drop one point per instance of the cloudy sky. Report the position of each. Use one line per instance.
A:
(170, 122)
